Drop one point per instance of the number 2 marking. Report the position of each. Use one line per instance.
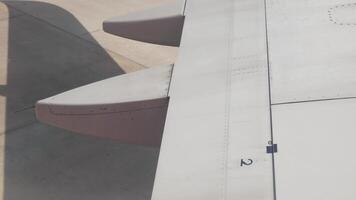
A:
(246, 162)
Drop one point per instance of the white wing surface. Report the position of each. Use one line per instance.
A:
(218, 120)
(313, 75)
(250, 70)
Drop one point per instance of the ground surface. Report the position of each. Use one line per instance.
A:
(50, 46)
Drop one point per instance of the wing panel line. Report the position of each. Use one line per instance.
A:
(270, 98)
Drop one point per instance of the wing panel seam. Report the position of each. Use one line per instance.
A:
(311, 101)
(270, 98)
(228, 101)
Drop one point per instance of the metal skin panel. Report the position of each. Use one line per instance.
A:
(219, 107)
(162, 25)
(312, 49)
(312, 56)
(316, 156)
(130, 108)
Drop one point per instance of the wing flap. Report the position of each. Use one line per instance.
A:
(316, 150)
(162, 25)
(130, 108)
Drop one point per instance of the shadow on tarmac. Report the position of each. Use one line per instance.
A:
(43, 162)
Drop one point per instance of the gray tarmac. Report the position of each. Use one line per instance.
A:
(50, 46)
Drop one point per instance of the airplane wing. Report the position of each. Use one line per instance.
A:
(262, 100)
(218, 122)
(251, 75)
